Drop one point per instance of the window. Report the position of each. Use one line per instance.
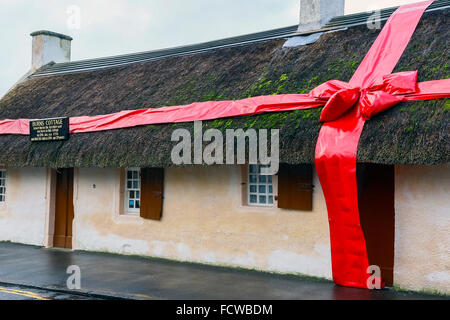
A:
(2, 186)
(144, 192)
(132, 191)
(260, 187)
(291, 188)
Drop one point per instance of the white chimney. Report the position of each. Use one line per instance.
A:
(314, 14)
(49, 46)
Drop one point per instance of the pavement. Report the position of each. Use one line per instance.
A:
(40, 272)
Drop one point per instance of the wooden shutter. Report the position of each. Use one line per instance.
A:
(152, 187)
(295, 187)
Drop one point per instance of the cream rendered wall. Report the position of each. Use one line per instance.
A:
(422, 227)
(23, 215)
(203, 221)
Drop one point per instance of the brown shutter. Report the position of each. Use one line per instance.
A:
(152, 185)
(295, 187)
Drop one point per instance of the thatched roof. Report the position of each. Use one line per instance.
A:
(411, 133)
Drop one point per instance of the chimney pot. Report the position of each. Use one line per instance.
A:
(314, 14)
(49, 46)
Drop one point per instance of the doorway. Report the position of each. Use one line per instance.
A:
(64, 212)
(376, 197)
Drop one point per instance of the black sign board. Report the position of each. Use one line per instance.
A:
(56, 129)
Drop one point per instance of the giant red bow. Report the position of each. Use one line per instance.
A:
(380, 96)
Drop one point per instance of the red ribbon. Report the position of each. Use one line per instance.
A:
(380, 96)
(372, 89)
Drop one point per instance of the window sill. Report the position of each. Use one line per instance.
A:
(269, 205)
(131, 214)
(129, 218)
(259, 209)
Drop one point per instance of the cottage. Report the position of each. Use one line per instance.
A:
(119, 190)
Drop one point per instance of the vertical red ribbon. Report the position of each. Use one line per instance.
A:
(337, 148)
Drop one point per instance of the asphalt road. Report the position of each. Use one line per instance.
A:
(19, 293)
(129, 277)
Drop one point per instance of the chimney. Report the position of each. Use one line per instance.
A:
(49, 46)
(314, 14)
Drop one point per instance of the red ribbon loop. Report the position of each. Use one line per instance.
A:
(380, 96)
(397, 83)
(372, 103)
(339, 103)
(329, 88)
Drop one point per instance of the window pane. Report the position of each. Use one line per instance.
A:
(132, 191)
(2, 182)
(259, 187)
(2, 198)
(2, 190)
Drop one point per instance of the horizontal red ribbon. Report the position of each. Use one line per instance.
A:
(211, 110)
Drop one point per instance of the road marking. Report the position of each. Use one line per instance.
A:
(23, 293)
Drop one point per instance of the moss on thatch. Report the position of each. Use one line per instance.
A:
(411, 133)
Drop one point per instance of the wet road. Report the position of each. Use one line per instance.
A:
(113, 276)
(19, 293)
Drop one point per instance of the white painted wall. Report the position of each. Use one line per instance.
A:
(204, 221)
(22, 216)
(422, 228)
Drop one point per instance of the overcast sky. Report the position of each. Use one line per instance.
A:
(112, 27)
